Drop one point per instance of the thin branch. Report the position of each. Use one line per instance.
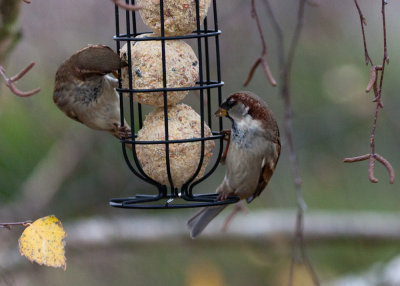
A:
(299, 247)
(237, 208)
(357, 159)
(27, 1)
(371, 168)
(298, 241)
(373, 83)
(363, 23)
(387, 165)
(262, 59)
(371, 165)
(8, 225)
(125, 6)
(10, 81)
(372, 80)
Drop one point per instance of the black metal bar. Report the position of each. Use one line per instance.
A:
(133, 20)
(221, 141)
(211, 85)
(139, 106)
(132, 112)
(141, 202)
(202, 142)
(164, 71)
(203, 33)
(189, 140)
(209, 118)
(121, 97)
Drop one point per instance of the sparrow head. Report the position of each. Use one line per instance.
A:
(245, 105)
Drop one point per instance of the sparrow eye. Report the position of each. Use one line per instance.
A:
(231, 102)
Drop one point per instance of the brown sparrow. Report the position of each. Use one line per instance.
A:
(254, 148)
(84, 91)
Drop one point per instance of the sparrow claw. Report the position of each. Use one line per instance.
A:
(222, 196)
(122, 132)
(227, 137)
(227, 134)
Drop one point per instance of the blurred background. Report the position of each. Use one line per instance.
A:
(50, 164)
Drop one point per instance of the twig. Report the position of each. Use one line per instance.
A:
(125, 6)
(27, 1)
(299, 247)
(363, 23)
(372, 80)
(387, 165)
(239, 207)
(298, 241)
(373, 83)
(10, 81)
(8, 225)
(371, 165)
(262, 59)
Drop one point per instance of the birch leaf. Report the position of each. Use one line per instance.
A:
(43, 242)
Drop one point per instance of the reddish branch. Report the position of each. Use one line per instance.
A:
(125, 6)
(262, 59)
(299, 253)
(27, 1)
(10, 81)
(373, 84)
(372, 81)
(299, 248)
(372, 159)
(8, 225)
(363, 23)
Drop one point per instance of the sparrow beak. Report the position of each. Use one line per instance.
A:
(221, 112)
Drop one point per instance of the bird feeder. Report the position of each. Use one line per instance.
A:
(174, 188)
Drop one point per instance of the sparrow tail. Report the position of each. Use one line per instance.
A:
(201, 219)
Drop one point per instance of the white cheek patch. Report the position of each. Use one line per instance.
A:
(246, 111)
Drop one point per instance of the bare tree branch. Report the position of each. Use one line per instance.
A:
(262, 59)
(363, 23)
(10, 81)
(299, 253)
(387, 165)
(371, 165)
(373, 83)
(8, 225)
(373, 77)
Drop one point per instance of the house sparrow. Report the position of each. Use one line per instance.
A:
(252, 155)
(84, 91)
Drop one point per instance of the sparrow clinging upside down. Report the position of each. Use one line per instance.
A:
(84, 91)
(253, 153)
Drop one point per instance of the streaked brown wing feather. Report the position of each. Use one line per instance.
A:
(266, 174)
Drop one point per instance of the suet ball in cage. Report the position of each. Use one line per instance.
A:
(180, 16)
(183, 123)
(182, 69)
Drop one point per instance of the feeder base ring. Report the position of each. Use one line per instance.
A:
(170, 202)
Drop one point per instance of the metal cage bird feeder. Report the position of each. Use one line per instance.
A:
(209, 90)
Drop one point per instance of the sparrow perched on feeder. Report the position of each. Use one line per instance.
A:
(84, 91)
(254, 148)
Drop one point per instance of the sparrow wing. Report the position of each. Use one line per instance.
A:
(267, 169)
(96, 59)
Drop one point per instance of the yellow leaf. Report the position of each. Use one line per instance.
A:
(204, 273)
(43, 242)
